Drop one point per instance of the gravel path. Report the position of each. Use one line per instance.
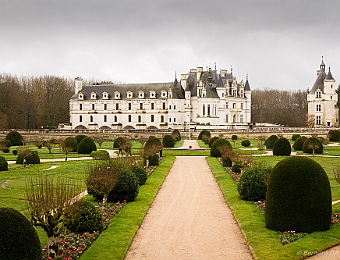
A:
(189, 218)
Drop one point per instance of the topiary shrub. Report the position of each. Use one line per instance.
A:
(15, 138)
(298, 144)
(269, 143)
(168, 141)
(82, 216)
(236, 168)
(226, 162)
(334, 135)
(252, 183)
(100, 155)
(15, 152)
(86, 146)
(152, 146)
(5, 150)
(298, 196)
(312, 145)
(118, 142)
(18, 238)
(282, 147)
(295, 136)
(3, 164)
(71, 142)
(245, 143)
(176, 135)
(79, 138)
(212, 140)
(127, 187)
(204, 133)
(154, 160)
(218, 145)
(28, 157)
(140, 173)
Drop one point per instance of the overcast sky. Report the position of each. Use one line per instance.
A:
(278, 43)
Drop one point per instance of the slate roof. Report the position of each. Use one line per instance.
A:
(319, 82)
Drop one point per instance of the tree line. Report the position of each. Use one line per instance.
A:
(43, 102)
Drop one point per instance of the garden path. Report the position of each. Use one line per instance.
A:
(189, 218)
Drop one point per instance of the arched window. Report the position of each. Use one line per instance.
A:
(203, 110)
(208, 110)
(91, 118)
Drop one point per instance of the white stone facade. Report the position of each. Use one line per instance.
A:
(322, 99)
(201, 99)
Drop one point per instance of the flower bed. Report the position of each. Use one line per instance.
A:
(71, 245)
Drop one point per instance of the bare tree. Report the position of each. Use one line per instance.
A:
(47, 199)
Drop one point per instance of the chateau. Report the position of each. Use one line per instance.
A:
(201, 99)
(322, 99)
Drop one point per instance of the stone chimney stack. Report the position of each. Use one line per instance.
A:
(78, 84)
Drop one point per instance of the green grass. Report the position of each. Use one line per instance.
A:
(265, 243)
(114, 242)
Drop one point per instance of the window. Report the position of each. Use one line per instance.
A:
(318, 94)
(129, 94)
(93, 95)
(105, 106)
(169, 119)
(152, 106)
(222, 94)
(81, 95)
(226, 119)
(129, 118)
(117, 106)
(169, 106)
(129, 106)
(174, 119)
(318, 120)
(163, 93)
(105, 118)
(152, 118)
(174, 107)
(115, 119)
(208, 113)
(91, 118)
(162, 119)
(152, 94)
(241, 105)
(164, 106)
(117, 95)
(203, 110)
(234, 105)
(80, 106)
(141, 106)
(80, 118)
(141, 94)
(226, 105)
(139, 119)
(318, 108)
(105, 95)
(93, 107)
(241, 118)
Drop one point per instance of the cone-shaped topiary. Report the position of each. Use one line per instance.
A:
(168, 141)
(282, 147)
(312, 145)
(298, 196)
(298, 144)
(126, 187)
(86, 146)
(269, 143)
(82, 216)
(3, 164)
(18, 238)
(218, 145)
(15, 138)
(71, 142)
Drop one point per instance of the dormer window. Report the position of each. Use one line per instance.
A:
(140, 94)
(117, 95)
(152, 94)
(129, 94)
(318, 94)
(80, 96)
(163, 94)
(93, 95)
(105, 95)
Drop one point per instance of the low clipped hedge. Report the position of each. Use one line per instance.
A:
(298, 144)
(298, 196)
(18, 238)
(282, 147)
(82, 216)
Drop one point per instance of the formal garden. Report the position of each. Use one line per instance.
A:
(279, 220)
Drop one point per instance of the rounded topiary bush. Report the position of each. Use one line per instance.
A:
(31, 157)
(86, 146)
(82, 216)
(118, 142)
(252, 183)
(3, 164)
(269, 143)
(14, 138)
(312, 145)
(212, 140)
(168, 141)
(282, 147)
(126, 188)
(334, 135)
(176, 135)
(5, 150)
(18, 238)
(79, 138)
(298, 144)
(295, 136)
(204, 133)
(140, 173)
(71, 142)
(298, 196)
(245, 143)
(219, 146)
(100, 155)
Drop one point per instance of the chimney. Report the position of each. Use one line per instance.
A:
(78, 84)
